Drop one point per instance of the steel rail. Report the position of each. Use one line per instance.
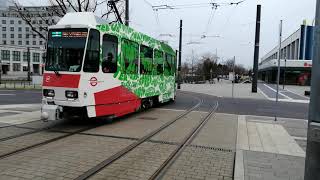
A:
(159, 173)
(32, 131)
(44, 143)
(132, 146)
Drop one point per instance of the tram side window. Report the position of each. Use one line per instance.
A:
(167, 65)
(130, 55)
(158, 61)
(146, 55)
(109, 54)
(174, 65)
(91, 63)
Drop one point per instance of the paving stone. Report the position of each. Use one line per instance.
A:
(268, 166)
(202, 163)
(62, 158)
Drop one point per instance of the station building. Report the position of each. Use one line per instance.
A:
(296, 59)
(16, 36)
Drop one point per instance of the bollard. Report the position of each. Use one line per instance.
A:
(14, 85)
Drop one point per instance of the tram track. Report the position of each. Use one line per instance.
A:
(32, 131)
(45, 142)
(147, 138)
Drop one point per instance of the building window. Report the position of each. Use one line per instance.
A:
(5, 55)
(40, 43)
(34, 36)
(19, 22)
(16, 55)
(47, 22)
(19, 29)
(4, 22)
(40, 21)
(19, 42)
(4, 28)
(27, 42)
(34, 22)
(27, 36)
(36, 57)
(11, 28)
(12, 35)
(27, 29)
(12, 42)
(4, 42)
(34, 43)
(4, 35)
(16, 66)
(19, 35)
(11, 21)
(25, 68)
(25, 56)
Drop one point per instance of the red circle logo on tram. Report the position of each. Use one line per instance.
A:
(93, 81)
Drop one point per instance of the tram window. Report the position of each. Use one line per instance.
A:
(158, 61)
(91, 63)
(146, 55)
(130, 55)
(167, 65)
(109, 54)
(174, 65)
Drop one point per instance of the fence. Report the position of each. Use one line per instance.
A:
(19, 85)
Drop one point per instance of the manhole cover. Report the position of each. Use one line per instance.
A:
(148, 118)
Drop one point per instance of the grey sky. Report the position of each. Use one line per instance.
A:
(234, 24)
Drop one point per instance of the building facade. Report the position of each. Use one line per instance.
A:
(295, 59)
(16, 36)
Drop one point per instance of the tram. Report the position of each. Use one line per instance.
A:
(96, 68)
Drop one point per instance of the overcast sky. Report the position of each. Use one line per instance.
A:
(234, 24)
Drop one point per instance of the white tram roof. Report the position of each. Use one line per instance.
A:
(79, 19)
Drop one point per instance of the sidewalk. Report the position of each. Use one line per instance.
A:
(268, 150)
(223, 89)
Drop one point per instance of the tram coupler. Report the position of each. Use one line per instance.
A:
(51, 112)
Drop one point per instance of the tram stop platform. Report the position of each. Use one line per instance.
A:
(270, 150)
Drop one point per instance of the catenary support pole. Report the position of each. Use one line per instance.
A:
(0, 72)
(127, 13)
(312, 164)
(256, 52)
(234, 75)
(180, 51)
(29, 72)
(279, 61)
(284, 72)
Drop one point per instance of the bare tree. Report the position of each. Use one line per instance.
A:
(58, 8)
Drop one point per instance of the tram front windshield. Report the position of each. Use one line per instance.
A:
(65, 49)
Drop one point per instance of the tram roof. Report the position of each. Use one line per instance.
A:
(89, 19)
(80, 19)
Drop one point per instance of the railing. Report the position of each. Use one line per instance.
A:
(19, 85)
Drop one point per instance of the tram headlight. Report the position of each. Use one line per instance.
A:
(72, 94)
(48, 93)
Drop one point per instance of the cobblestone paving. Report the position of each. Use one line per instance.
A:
(139, 164)
(180, 129)
(25, 141)
(12, 131)
(63, 159)
(137, 125)
(202, 163)
(268, 166)
(211, 134)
